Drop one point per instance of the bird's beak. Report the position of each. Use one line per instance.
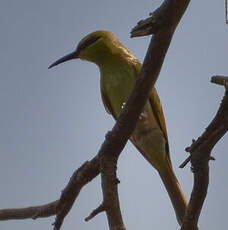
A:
(67, 57)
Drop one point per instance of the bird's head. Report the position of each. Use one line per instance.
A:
(95, 47)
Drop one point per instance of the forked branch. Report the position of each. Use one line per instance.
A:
(200, 154)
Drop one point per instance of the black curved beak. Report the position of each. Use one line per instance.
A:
(68, 57)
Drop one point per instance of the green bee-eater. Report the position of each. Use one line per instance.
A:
(118, 70)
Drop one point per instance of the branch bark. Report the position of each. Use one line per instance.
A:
(200, 154)
(165, 20)
(32, 212)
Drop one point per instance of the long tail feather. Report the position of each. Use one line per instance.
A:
(175, 192)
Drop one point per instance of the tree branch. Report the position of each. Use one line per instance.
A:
(165, 20)
(84, 174)
(95, 212)
(171, 12)
(33, 212)
(200, 154)
(81, 177)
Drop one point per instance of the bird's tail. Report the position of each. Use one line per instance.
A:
(150, 145)
(175, 191)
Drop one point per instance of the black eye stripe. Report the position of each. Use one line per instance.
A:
(88, 42)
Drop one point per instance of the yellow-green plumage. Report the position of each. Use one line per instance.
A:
(119, 70)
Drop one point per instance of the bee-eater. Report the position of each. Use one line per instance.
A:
(119, 70)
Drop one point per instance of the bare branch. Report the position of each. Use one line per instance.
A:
(226, 15)
(185, 162)
(95, 212)
(109, 181)
(172, 12)
(33, 212)
(81, 177)
(162, 18)
(220, 80)
(200, 152)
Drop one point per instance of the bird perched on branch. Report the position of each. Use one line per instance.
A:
(118, 71)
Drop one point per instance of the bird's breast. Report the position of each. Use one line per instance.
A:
(117, 84)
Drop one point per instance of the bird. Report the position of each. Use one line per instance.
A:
(118, 72)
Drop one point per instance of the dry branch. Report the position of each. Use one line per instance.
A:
(169, 15)
(95, 212)
(81, 177)
(61, 207)
(165, 20)
(200, 154)
(171, 12)
(32, 212)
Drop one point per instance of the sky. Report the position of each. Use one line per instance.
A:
(51, 121)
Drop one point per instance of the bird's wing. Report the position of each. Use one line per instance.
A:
(107, 104)
(158, 111)
(155, 103)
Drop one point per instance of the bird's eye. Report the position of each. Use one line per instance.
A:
(88, 42)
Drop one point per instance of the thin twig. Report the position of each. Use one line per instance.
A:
(226, 14)
(185, 162)
(95, 212)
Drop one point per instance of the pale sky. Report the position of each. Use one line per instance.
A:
(51, 121)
